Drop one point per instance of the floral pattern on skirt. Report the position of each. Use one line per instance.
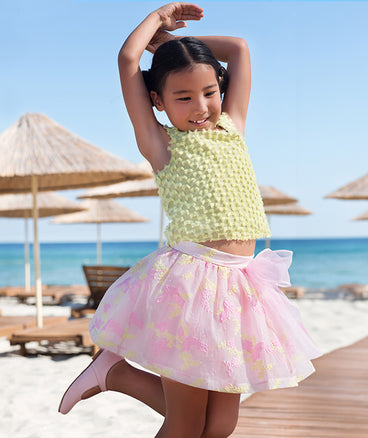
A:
(208, 319)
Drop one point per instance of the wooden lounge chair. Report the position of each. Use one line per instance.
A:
(99, 279)
(294, 291)
(357, 290)
(10, 291)
(75, 330)
(56, 293)
(11, 324)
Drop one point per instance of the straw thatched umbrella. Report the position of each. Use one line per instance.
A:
(293, 209)
(288, 209)
(49, 204)
(131, 189)
(99, 211)
(272, 196)
(362, 217)
(37, 148)
(128, 189)
(357, 189)
(37, 154)
(20, 206)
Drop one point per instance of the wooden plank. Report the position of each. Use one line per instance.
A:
(74, 330)
(65, 330)
(332, 402)
(55, 292)
(301, 422)
(8, 328)
(11, 324)
(82, 312)
(294, 433)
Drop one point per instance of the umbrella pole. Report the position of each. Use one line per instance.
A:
(99, 245)
(27, 266)
(161, 241)
(36, 255)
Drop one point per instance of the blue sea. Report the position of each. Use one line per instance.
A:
(317, 263)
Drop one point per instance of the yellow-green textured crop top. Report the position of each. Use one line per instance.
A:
(209, 189)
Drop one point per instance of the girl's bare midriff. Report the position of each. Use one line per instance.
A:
(236, 247)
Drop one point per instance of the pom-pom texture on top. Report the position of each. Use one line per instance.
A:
(209, 189)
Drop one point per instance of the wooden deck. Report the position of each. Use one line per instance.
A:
(75, 330)
(332, 402)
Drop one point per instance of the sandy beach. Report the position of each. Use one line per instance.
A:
(34, 385)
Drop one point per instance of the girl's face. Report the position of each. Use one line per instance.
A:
(191, 98)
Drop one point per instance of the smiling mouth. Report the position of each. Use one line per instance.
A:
(199, 122)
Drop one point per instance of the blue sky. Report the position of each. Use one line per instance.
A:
(307, 122)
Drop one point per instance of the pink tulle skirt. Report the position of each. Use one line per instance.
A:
(208, 319)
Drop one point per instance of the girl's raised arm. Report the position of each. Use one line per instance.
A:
(147, 130)
(234, 51)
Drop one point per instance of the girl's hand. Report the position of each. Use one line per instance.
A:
(173, 15)
(160, 37)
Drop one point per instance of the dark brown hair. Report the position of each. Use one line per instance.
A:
(176, 55)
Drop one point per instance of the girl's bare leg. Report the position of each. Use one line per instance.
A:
(222, 414)
(186, 410)
(192, 412)
(139, 384)
(189, 411)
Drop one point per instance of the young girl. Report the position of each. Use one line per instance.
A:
(201, 313)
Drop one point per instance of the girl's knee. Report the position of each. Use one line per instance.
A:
(185, 427)
(192, 426)
(219, 429)
(220, 426)
(222, 415)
